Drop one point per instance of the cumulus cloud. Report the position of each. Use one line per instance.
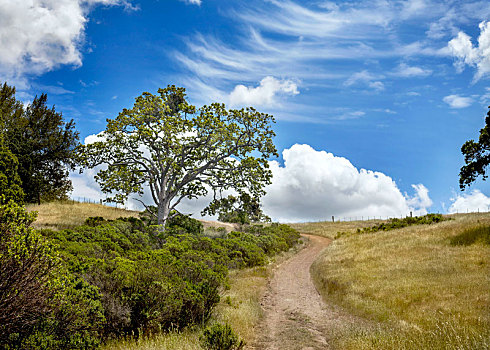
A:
(38, 36)
(406, 71)
(311, 185)
(264, 94)
(314, 185)
(477, 56)
(456, 101)
(472, 202)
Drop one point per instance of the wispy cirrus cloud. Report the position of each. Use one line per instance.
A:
(322, 43)
(405, 71)
(366, 78)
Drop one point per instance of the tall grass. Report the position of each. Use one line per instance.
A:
(425, 292)
(185, 340)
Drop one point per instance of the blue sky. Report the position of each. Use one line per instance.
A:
(394, 87)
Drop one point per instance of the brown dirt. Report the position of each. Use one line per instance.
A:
(295, 316)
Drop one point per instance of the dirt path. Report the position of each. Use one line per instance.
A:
(295, 315)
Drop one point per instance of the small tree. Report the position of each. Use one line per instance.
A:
(163, 143)
(476, 156)
(241, 209)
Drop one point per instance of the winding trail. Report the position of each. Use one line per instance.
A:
(295, 316)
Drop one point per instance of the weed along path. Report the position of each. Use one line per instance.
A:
(295, 316)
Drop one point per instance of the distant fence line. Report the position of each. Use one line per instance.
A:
(382, 217)
(333, 217)
(97, 201)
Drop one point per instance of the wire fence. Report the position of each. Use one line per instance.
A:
(97, 201)
(333, 218)
(386, 218)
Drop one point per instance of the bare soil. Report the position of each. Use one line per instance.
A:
(295, 316)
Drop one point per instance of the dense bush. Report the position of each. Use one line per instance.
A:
(151, 281)
(41, 304)
(221, 337)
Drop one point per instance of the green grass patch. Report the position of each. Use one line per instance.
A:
(478, 234)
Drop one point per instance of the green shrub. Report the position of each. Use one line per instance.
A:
(151, 281)
(221, 337)
(478, 234)
(41, 304)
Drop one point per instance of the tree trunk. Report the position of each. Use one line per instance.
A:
(163, 213)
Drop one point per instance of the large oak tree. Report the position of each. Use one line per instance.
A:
(163, 143)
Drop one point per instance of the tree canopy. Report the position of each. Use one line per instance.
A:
(476, 156)
(241, 209)
(42, 142)
(167, 145)
(10, 184)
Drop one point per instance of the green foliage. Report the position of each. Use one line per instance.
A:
(10, 183)
(151, 281)
(478, 234)
(395, 223)
(178, 152)
(221, 337)
(476, 156)
(41, 304)
(43, 144)
(243, 209)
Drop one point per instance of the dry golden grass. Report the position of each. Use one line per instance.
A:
(330, 229)
(69, 214)
(425, 292)
(240, 305)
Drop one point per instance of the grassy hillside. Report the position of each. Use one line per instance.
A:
(70, 214)
(425, 289)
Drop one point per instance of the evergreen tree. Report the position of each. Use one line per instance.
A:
(43, 144)
(10, 184)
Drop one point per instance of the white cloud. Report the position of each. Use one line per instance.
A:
(302, 37)
(38, 36)
(475, 201)
(421, 199)
(485, 98)
(264, 94)
(367, 79)
(456, 101)
(193, 2)
(406, 71)
(314, 185)
(477, 56)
